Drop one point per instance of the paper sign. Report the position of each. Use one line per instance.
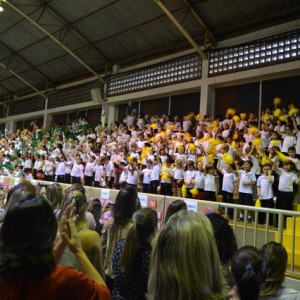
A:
(159, 214)
(105, 194)
(143, 199)
(192, 205)
(17, 181)
(152, 203)
(1, 178)
(34, 182)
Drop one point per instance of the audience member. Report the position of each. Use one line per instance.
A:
(30, 226)
(117, 226)
(89, 239)
(185, 263)
(248, 270)
(276, 258)
(131, 257)
(226, 243)
(174, 207)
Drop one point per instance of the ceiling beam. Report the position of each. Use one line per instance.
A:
(181, 29)
(80, 36)
(199, 20)
(126, 31)
(77, 58)
(10, 93)
(23, 80)
(12, 53)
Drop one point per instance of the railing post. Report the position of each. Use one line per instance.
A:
(280, 227)
(293, 244)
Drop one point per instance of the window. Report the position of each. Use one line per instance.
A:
(179, 70)
(273, 50)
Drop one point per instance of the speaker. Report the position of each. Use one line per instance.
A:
(96, 96)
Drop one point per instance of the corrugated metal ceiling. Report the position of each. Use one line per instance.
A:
(101, 33)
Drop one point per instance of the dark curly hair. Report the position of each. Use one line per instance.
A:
(26, 238)
(224, 236)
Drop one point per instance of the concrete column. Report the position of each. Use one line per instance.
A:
(207, 98)
(11, 126)
(47, 120)
(110, 113)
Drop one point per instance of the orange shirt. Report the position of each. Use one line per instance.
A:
(63, 283)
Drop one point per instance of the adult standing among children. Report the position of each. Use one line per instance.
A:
(32, 273)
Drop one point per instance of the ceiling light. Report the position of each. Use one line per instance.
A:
(1, 7)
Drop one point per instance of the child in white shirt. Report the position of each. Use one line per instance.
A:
(189, 178)
(155, 175)
(178, 178)
(210, 184)
(146, 173)
(247, 182)
(287, 178)
(98, 173)
(265, 192)
(199, 181)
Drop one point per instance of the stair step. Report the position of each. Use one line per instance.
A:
(296, 257)
(289, 224)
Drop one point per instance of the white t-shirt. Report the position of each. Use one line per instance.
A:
(229, 179)
(210, 183)
(49, 168)
(146, 175)
(246, 177)
(133, 177)
(77, 170)
(60, 169)
(155, 174)
(286, 180)
(266, 190)
(99, 170)
(123, 176)
(186, 125)
(199, 180)
(188, 177)
(298, 143)
(288, 141)
(265, 138)
(178, 173)
(89, 169)
(68, 165)
(109, 169)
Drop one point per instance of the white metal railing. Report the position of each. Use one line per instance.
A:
(280, 215)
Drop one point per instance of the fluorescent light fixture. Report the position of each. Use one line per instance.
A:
(1, 7)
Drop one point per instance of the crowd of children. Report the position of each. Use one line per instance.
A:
(241, 157)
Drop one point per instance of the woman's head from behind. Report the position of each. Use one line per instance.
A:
(26, 238)
(78, 200)
(125, 205)
(248, 270)
(174, 207)
(141, 231)
(95, 208)
(26, 186)
(224, 236)
(276, 258)
(185, 262)
(54, 194)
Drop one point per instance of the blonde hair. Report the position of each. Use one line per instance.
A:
(185, 263)
(179, 164)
